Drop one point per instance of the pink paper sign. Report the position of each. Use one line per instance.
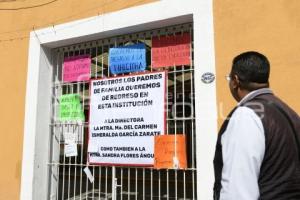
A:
(77, 68)
(169, 51)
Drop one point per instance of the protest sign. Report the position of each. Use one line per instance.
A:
(69, 137)
(169, 51)
(126, 59)
(170, 152)
(70, 108)
(70, 150)
(125, 114)
(77, 68)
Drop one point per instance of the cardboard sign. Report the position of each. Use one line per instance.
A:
(125, 114)
(170, 152)
(70, 108)
(77, 68)
(169, 51)
(126, 59)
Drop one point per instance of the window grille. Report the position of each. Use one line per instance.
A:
(67, 179)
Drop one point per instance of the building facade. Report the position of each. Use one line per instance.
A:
(36, 39)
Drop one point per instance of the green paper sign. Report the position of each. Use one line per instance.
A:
(70, 108)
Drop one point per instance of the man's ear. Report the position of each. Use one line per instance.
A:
(235, 81)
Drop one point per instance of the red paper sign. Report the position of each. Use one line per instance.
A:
(168, 51)
(77, 68)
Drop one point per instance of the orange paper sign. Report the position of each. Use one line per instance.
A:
(170, 152)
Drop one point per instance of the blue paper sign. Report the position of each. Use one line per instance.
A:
(126, 59)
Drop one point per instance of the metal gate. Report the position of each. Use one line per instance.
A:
(67, 180)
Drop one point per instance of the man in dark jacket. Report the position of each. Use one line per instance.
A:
(258, 148)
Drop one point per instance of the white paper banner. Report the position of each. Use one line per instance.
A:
(125, 114)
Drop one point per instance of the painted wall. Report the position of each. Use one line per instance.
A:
(268, 26)
(16, 22)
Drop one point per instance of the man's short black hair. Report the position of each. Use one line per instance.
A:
(251, 67)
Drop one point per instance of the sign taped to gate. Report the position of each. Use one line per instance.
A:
(170, 152)
(70, 108)
(126, 59)
(125, 114)
(77, 68)
(169, 51)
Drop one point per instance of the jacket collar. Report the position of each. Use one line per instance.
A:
(254, 94)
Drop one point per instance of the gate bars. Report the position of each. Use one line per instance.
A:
(66, 177)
